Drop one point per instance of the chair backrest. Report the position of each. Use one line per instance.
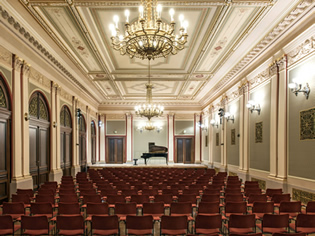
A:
(66, 191)
(70, 222)
(310, 207)
(275, 221)
(165, 198)
(29, 192)
(13, 208)
(153, 208)
(132, 222)
(25, 198)
(305, 220)
(255, 191)
(34, 223)
(236, 207)
(257, 198)
(210, 198)
(6, 223)
(174, 223)
(277, 198)
(208, 221)
(256, 234)
(263, 207)
(105, 223)
(290, 207)
(271, 191)
(209, 208)
(92, 198)
(45, 198)
(68, 198)
(114, 198)
(97, 208)
(187, 198)
(181, 208)
(237, 197)
(68, 208)
(242, 221)
(126, 208)
(289, 234)
(139, 199)
(41, 208)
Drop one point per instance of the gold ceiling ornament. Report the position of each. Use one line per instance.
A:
(149, 37)
(149, 109)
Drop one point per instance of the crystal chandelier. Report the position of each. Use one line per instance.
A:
(148, 109)
(149, 37)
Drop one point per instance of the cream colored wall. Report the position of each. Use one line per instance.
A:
(301, 152)
(184, 127)
(260, 152)
(116, 127)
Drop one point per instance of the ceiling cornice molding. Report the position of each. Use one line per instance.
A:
(271, 37)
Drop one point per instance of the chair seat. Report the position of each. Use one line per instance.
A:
(71, 232)
(207, 231)
(6, 231)
(274, 230)
(240, 230)
(89, 217)
(105, 231)
(306, 230)
(173, 231)
(139, 231)
(35, 231)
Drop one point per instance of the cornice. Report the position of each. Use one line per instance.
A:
(303, 50)
(275, 33)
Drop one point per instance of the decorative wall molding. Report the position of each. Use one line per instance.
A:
(66, 96)
(5, 57)
(273, 69)
(303, 196)
(184, 116)
(259, 79)
(261, 183)
(282, 63)
(115, 116)
(243, 88)
(303, 50)
(39, 79)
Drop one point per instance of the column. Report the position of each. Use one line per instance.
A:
(129, 137)
(211, 141)
(170, 119)
(75, 138)
(241, 125)
(197, 138)
(58, 122)
(53, 135)
(88, 136)
(97, 133)
(273, 73)
(102, 138)
(282, 119)
(246, 161)
(25, 123)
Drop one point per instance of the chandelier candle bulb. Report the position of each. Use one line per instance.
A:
(172, 12)
(127, 13)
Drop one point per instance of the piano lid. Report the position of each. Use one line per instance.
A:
(157, 149)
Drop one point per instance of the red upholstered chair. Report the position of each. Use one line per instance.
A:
(310, 207)
(291, 208)
(69, 208)
(242, 224)
(95, 198)
(140, 199)
(7, 225)
(45, 198)
(289, 234)
(277, 198)
(305, 223)
(209, 208)
(134, 227)
(105, 225)
(208, 224)
(92, 209)
(14, 209)
(236, 197)
(261, 208)
(155, 209)
(235, 208)
(210, 198)
(271, 191)
(70, 225)
(28, 192)
(275, 223)
(181, 209)
(188, 198)
(22, 198)
(124, 209)
(174, 225)
(256, 234)
(42, 209)
(112, 199)
(256, 198)
(68, 198)
(167, 199)
(35, 225)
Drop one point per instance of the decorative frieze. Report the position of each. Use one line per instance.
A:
(261, 183)
(303, 196)
(39, 79)
(184, 116)
(259, 79)
(282, 63)
(273, 69)
(243, 88)
(304, 49)
(66, 96)
(5, 57)
(115, 117)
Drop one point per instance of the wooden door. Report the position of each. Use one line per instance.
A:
(39, 139)
(93, 143)
(115, 147)
(82, 143)
(65, 141)
(184, 150)
(5, 142)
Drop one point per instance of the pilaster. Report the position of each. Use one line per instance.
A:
(129, 136)
(88, 137)
(198, 119)
(102, 144)
(170, 118)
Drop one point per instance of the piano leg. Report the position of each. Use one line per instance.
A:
(145, 161)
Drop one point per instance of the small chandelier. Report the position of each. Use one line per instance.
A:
(149, 37)
(148, 109)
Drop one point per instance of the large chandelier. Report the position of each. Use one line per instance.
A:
(149, 37)
(148, 109)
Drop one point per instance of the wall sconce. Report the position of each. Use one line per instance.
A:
(228, 117)
(100, 123)
(202, 126)
(26, 116)
(79, 113)
(297, 88)
(55, 124)
(214, 123)
(253, 107)
(115, 132)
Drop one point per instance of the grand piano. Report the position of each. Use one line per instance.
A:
(155, 151)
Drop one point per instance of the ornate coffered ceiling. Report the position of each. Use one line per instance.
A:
(221, 33)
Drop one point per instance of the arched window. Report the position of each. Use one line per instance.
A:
(5, 143)
(39, 139)
(82, 142)
(65, 141)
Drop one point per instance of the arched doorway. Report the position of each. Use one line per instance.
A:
(65, 141)
(39, 139)
(82, 143)
(5, 140)
(93, 142)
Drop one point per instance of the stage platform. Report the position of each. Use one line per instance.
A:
(149, 165)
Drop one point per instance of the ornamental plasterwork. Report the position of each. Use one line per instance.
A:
(5, 56)
(301, 51)
(273, 69)
(40, 79)
(224, 100)
(115, 116)
(269, 38)
(66, 96)
(259, 79)
(184, 116)
(282, 62)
